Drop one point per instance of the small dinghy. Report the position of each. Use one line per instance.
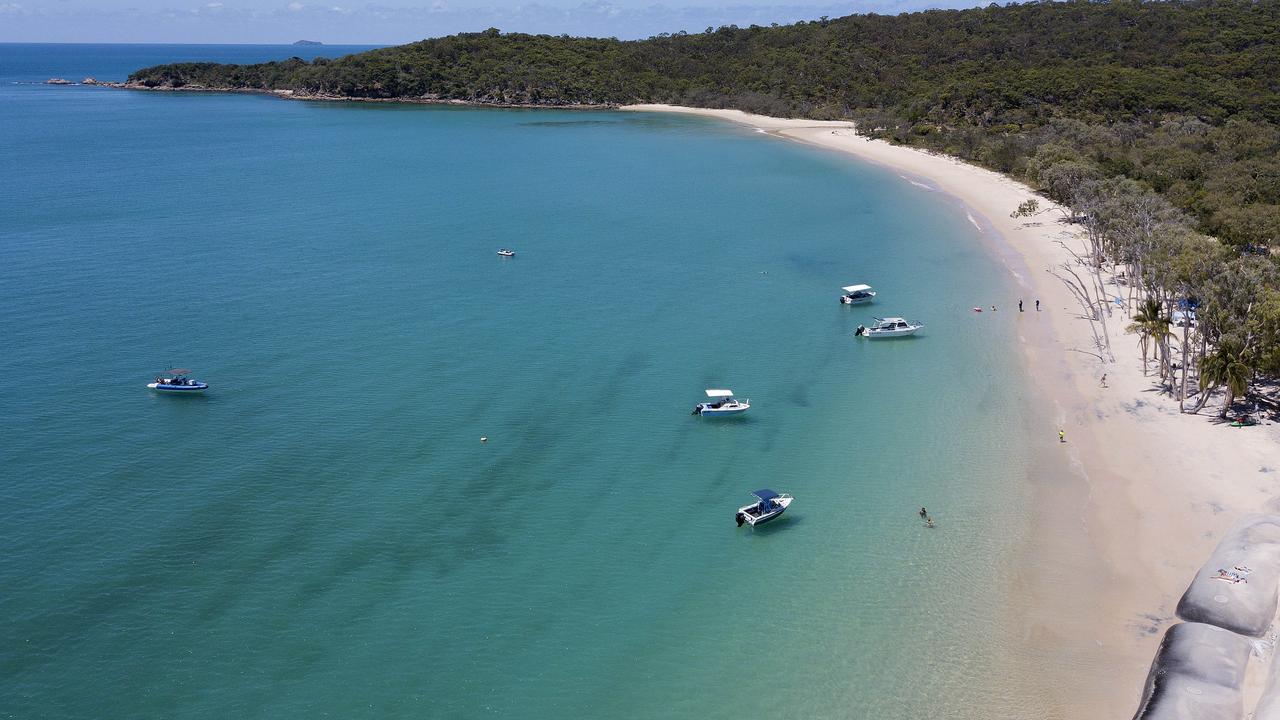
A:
(178, 382)
(722, 402)
(888, 328)
(857, 294)
(768, 506)
(507, 253)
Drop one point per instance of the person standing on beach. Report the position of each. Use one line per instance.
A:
(1037, 306)
(1062, 436)
(1104, 379)
(1019, 306)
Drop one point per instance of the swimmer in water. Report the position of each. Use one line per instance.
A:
(923, 513)
(928, 522)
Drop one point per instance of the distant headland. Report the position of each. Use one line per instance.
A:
(1144, 90)
(308, 42)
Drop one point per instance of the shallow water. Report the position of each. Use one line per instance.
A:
(324, 532)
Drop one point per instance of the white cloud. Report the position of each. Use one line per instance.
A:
(11, 8)
(295, 6)
(213, 5)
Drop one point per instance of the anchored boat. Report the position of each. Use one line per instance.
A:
(722, 402)
(768, 506)
(507, 253)
(888, 328)
(857, 294)
(178, 382)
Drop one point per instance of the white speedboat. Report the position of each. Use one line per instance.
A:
(768, 506)
(178, 382)
(857, 294)
(722, 402)
(507, 253)
(888, 328)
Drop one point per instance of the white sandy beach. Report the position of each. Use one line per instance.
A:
(1135, 500)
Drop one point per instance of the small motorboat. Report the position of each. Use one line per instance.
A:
(507, 253)
(178, 382)
(857, 294)
(888, 328)
(768, 506)
(722, 402)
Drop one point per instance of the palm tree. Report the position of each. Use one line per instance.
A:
(1224, 368)
(1149, 325)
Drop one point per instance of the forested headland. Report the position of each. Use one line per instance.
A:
(1158, 123)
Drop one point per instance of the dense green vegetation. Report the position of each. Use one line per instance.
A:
(1161, 114)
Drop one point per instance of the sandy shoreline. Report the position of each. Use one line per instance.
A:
(1133, 503)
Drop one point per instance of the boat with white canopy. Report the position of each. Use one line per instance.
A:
(178, 381)
(768, 506)
(721, 402)
(888, 328)
(505, 252)
(857, 294)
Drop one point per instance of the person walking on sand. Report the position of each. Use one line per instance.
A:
(1062, 436)
(1104, 379)
(1019, 306)
(1037, 306)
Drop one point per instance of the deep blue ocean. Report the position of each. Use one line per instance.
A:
(324, 535)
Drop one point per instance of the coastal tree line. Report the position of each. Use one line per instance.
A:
(1157, 124)
(1183, 96)
(1206, 314)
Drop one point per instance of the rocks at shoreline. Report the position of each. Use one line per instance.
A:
(1236, 589)
(1198, 671)
(64, 81)
(1198, 674)
(425, 99)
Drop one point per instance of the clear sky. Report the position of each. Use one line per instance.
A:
(398, 21)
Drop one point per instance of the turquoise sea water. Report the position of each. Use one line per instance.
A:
(323, 534)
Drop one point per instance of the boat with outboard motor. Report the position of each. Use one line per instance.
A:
(722, 403)
(768, 506)
(888, 328)
(857, 294)
(176, 381)
(507, 253)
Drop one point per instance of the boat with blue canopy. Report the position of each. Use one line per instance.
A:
(178, 382)
(768, 506)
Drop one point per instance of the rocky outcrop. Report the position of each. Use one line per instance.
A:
(1197, 674)
(1199, 670)
(1236, 588)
